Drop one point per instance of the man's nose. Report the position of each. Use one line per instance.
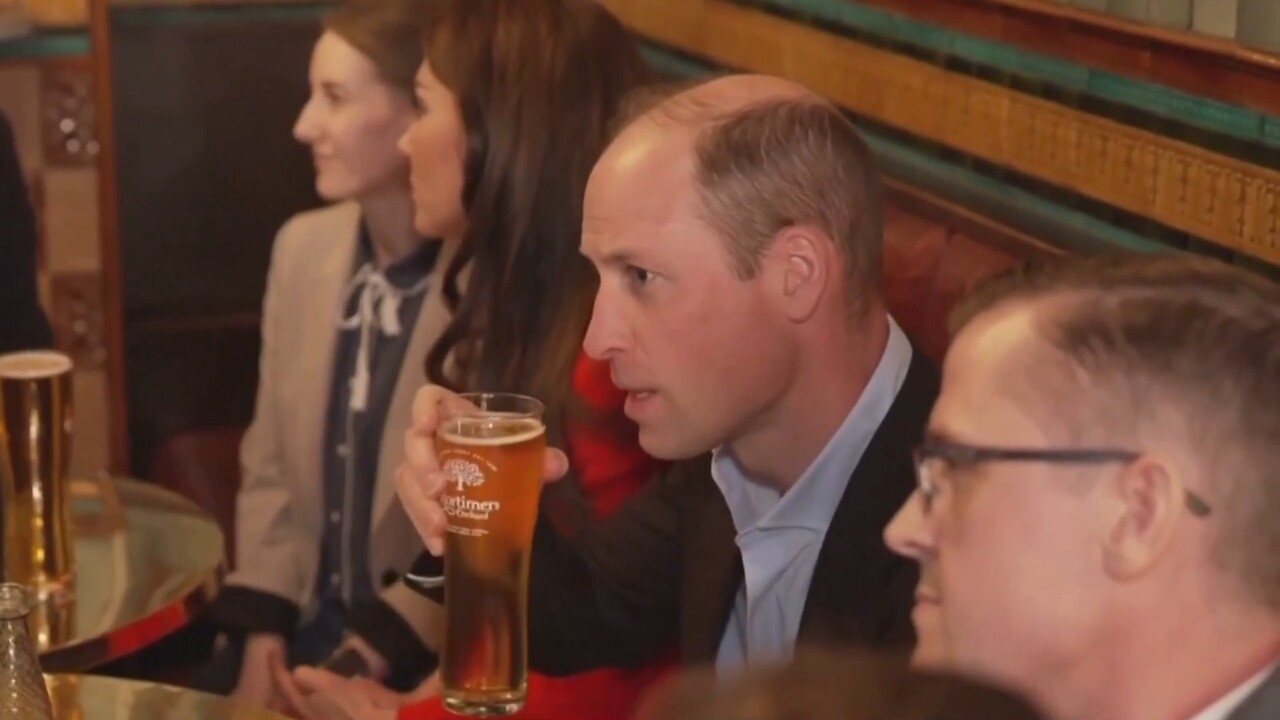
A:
(908, 533)
(607, 333)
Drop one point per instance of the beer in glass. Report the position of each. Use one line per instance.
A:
(492, 456)
(35, 429)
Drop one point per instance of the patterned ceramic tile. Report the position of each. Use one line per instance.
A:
(67, 114)
(1218, 197)
(75, 311)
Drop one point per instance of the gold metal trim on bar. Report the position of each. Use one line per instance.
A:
(1222, 199)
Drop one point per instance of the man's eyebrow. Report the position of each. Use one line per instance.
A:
(940, 436)
(618, 258)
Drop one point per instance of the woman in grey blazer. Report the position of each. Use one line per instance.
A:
(352, 306)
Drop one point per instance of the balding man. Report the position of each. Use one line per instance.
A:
(1098, 520)
(736, 228)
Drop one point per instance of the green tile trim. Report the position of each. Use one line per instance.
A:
(46, 44)
(138, 15)
(1271, 130)
(853, 17)
(1231, 119)
(1070, 229)
(669, 63)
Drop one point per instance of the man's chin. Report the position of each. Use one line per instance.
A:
(666, 445)
(931, 656)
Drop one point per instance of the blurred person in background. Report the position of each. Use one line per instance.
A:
(23, 324)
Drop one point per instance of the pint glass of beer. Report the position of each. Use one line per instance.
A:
(492, 454)
(35, 427)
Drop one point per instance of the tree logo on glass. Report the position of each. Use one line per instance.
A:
(463, 473)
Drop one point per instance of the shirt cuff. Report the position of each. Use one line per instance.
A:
(241, 611)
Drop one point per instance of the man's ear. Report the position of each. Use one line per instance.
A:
(805, 262)
(1148, 503)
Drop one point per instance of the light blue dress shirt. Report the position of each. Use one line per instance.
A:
(780, 536)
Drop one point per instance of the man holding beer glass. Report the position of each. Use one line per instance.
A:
(736, 230)
(490, 451)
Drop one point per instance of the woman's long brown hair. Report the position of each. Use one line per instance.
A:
(538, 83)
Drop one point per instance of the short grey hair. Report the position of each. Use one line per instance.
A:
(788, 162)
(1179, 343)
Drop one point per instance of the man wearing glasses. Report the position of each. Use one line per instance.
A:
(1098, 513)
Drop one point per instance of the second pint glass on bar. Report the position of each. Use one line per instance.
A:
(492, 456)
(35, 450)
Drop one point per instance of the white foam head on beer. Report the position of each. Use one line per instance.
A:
(33, 365)
(467, 431)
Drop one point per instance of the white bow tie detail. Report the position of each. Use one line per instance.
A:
(378, 306)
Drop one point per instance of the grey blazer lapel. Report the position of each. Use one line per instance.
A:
(432, 320)
(315, 305)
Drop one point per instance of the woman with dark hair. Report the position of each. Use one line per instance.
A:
(516, 101)
(518, 98)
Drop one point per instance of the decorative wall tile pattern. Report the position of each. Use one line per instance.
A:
(75, 311)
(67, 114)
(1208, 194)
(48, 98)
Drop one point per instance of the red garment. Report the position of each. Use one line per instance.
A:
(611, 467)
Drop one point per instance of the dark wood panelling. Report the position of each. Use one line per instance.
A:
(109, 235)
(208, 172)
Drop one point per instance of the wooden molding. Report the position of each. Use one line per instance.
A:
(980, 227)
(1219, 198)
(109, 233)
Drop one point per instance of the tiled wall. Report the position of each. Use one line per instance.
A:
(49, 100)
(1077, 154)
(1252, 22)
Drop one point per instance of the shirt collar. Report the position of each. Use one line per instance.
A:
(1222, 709)
(406, 271)
(811, 502)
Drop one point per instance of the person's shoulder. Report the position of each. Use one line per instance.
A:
(337, 220)
(310, 231)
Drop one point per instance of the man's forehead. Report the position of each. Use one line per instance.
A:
(996, 375)
(646, 175)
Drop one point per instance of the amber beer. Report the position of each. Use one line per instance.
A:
(35, 430)
(492, 456)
